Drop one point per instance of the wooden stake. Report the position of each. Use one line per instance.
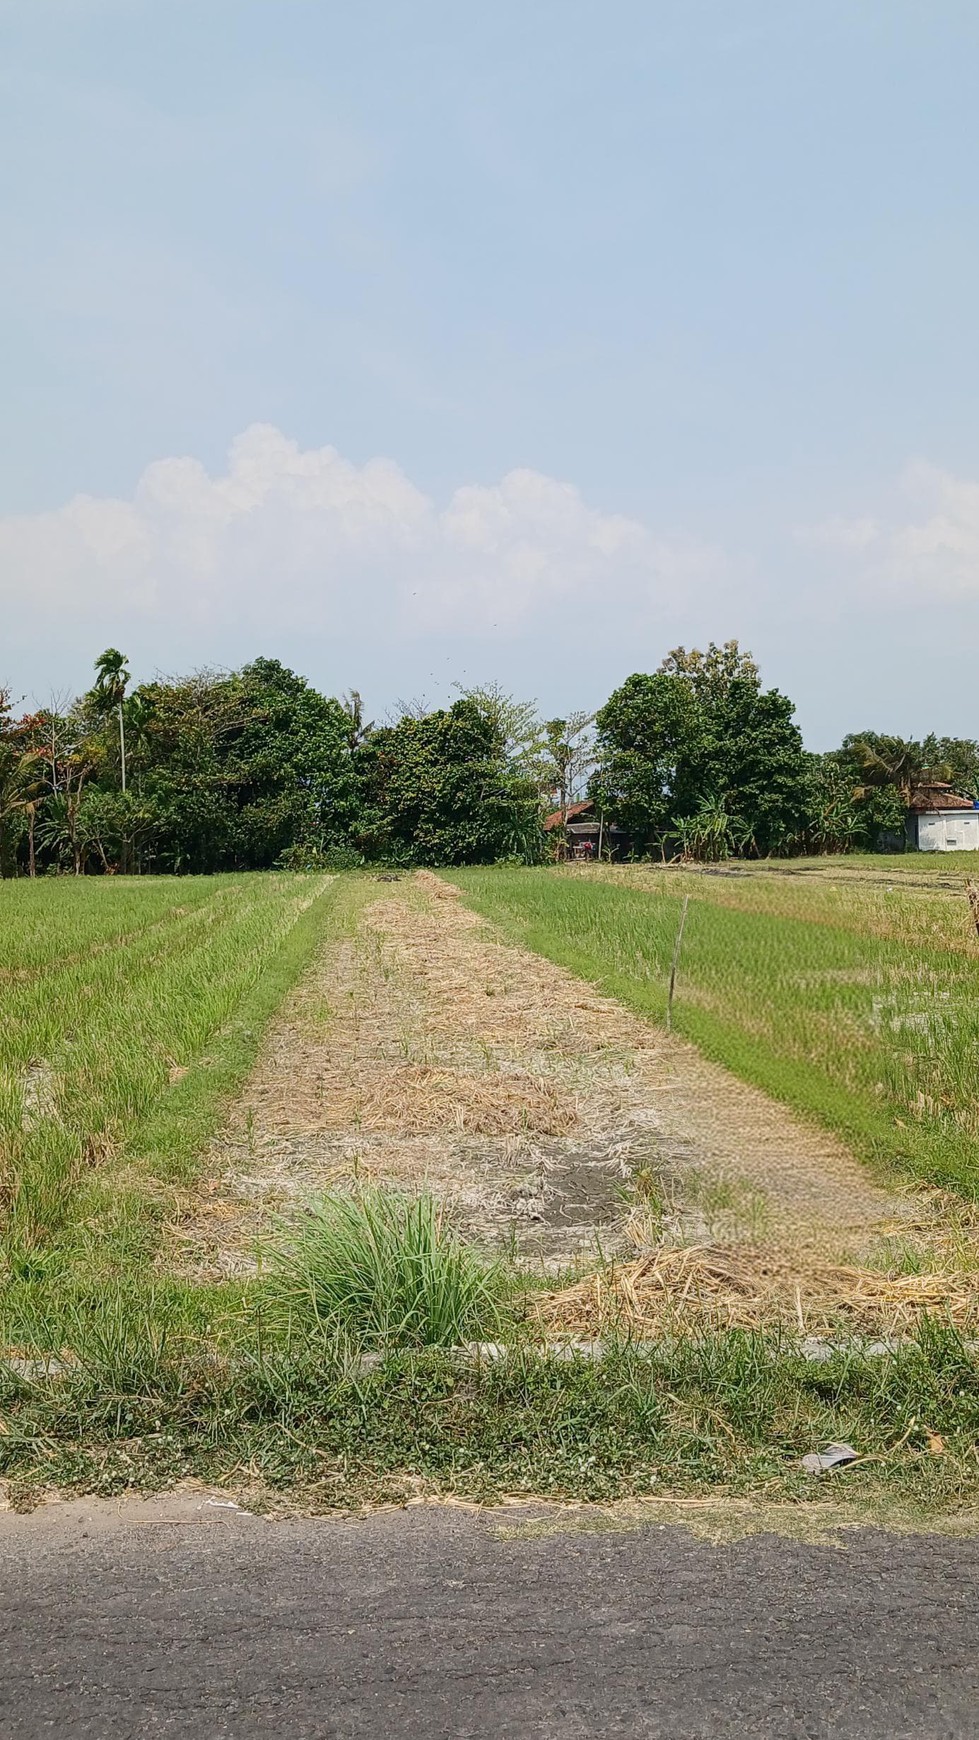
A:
(676, 962)
(972, 894)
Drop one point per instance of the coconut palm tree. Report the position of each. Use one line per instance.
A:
(896, 761)
(111, 679)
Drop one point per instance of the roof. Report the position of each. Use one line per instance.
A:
(557, 818)
(938, 796)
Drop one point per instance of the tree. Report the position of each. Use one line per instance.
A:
(111, 681)
(14, 784)
(569, 757)
(752, 759)
(517, 724)
(881, 760)
(710, 674)
(441, 790)
(958, 757)
(292, 764)
(649, 733)
(358, 729)
(702, 739)
(710, 834)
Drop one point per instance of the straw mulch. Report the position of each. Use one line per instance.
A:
(412, 1099)
(754, 1288)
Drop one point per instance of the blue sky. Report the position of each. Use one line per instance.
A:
(433, 341)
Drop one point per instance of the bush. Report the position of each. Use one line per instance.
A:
(338, 855)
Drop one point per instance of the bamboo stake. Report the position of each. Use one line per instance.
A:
(675, 964)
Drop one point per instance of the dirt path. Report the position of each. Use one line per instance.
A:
(422, 1050)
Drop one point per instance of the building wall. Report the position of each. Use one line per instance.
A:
(948, 831)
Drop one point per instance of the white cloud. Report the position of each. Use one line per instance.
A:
(304, 539)
(928, 547)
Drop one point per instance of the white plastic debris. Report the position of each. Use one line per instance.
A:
(834, 1456)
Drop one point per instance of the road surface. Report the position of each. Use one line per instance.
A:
(179, 1618)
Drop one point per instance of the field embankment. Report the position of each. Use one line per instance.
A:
(853, 1000)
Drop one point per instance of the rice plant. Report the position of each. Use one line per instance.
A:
(855, 1003)
(112, 994)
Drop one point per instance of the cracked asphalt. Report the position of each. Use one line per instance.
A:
(179, 1617)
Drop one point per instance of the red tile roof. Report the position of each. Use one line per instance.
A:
(557, 818)
(938, 797)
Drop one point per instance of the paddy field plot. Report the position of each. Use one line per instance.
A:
(126, 1009)
(848, 991)
(187, 1066)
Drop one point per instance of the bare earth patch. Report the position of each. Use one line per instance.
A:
(421, 1050)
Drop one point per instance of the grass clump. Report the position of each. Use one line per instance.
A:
(387, 1270)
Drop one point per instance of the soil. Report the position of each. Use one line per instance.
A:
(424, 1051)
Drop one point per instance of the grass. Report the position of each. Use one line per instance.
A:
(729, 1413)
(130, 1012)
(857, 1006)
(386, 1270)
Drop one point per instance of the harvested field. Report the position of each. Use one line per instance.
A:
(423, 1050)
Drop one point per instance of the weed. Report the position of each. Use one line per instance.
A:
(387, 1270)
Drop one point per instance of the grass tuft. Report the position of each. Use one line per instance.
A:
(387, 1269)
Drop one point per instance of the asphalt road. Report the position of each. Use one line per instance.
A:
(182, 1619)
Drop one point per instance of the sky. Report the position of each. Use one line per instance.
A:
(427, 343)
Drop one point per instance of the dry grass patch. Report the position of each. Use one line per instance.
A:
(727, 1287)
(415, 1099)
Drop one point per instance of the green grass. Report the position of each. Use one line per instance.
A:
(386, 1270)
(724, 1413)
(856, 1007)
(131, 1011)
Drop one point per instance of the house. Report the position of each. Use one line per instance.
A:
(938, 820)
(580, 832)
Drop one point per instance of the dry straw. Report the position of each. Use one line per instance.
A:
(753, 1288)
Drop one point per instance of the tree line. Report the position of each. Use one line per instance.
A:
(253, 769)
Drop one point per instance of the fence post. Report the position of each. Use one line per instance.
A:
(675, 964)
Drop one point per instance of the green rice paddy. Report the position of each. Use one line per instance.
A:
(851, 993)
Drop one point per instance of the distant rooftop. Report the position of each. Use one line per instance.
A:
(938, 796)
(557, 818)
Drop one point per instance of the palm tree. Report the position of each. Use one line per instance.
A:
(896, 761)
(111, 678)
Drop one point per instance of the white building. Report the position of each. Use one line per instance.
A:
(941, 821)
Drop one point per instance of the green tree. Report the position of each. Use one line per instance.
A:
(958, 757)
(14, 785)
(440, 789)
(649, 736)
(293, 766)
(751, 758)
(108, 693)
(710, 674)
(702, 738)
(569, 756)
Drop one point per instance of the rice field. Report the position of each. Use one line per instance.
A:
(133, 1012)
(850, 992)
(119, 1004)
